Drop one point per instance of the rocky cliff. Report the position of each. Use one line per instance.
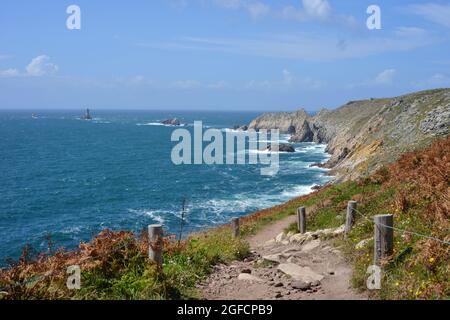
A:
(364, 135)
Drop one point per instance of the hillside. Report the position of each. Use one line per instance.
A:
(415, 189)
(364, 135)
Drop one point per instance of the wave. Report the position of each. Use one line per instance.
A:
(150, 124)
(218, 211)
(71, 230)
(266, 152)
(158, 124)
(233, 131)
(297, 191)
(101, 121)
(318, 148)
(159, 216)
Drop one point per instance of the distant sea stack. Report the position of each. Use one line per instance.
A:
(238, 127)
(87, 115)
(282, 147)
(364, 135)
(171, 122)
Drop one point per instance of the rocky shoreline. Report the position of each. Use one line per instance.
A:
(361, 136)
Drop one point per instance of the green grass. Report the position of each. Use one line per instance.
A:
(402, 277)
(125, 272)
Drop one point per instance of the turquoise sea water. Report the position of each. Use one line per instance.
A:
(72, 178)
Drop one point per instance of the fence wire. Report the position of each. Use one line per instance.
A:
(402, 230)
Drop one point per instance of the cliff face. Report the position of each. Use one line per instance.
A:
(286, 122)
(364, 135)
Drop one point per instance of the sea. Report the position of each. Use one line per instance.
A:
(66, 179)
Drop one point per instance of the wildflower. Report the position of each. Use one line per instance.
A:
(397, 284)
(431, 260)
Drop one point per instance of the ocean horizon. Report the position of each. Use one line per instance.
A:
(69, 179)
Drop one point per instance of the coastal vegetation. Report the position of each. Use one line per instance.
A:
(362, 136)
(415, 189)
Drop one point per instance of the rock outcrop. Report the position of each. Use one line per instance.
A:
(171, 122)
(282, 147)
(286, 122)
(364, 135)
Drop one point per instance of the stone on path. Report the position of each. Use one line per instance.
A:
(311, 245)
(273, 258)
(270, 243)
(305, 274)
(301, 285)
(281, 237)
(249, 277)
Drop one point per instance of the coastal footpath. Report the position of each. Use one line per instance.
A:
(362, 136)
(270, 259)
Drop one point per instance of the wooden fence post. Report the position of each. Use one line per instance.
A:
(383, 237)
(351, 213)
(235, 227)
(155, 243)
(301, 219)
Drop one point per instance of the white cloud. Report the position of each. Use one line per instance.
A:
(38, 67)
(258, 10)
(288, 81)
(317, 8)
(178, 4)
(255, 9)
(385, 77)
(437, 13)
(9, 73)
(229, 4)
(133, 81)
(307, 10)
(218, 85)
(194, 84)
(435, 81)
(186, 84)
(306, 46)
(410, 32)
(288, 78)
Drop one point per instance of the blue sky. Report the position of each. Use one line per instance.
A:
(218, 54)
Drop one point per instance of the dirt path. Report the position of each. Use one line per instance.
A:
(298, 267)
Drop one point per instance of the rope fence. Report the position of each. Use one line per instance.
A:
(383, 238)
(402, 230)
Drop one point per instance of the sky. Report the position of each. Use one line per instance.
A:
(255, 55)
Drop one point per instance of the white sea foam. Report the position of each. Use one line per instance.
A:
(100, 121)
(218, 211)
(233, 131)
(71, 230)
(158, 124)
(236, 204)
(150, 124)
(159, 216)
(266, 151)
(297, 191)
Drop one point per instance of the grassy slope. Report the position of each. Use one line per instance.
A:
(416, 190)
(378, 131)
(115, 265)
